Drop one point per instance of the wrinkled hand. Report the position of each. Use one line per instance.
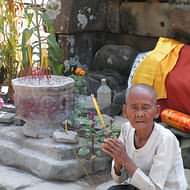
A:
(116, 150)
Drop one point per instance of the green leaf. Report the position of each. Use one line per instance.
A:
(84, 151)
(27, 33)
(98, 152)
(55, 54)
(52, 43)
(29, 17)
(47, 23)
(58, 69)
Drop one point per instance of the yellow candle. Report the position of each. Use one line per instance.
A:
(98, 110)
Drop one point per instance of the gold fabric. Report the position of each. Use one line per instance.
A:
(158, 63)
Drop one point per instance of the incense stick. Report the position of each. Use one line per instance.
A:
(98, 111)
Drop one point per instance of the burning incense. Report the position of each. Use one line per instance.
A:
(98, 111)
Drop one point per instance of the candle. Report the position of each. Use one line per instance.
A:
(98, 110)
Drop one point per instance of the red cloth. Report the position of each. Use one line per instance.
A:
(178, 84)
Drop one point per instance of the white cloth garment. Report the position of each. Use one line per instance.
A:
(159, 161)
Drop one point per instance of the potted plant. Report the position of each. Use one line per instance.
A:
(43, 100)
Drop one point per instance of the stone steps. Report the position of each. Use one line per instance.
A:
(45, 167)
(47, 146)
(46, 158)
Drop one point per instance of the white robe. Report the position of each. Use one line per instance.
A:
(159, 161)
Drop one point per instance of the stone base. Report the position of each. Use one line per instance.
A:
(46, 158)
(38, 131)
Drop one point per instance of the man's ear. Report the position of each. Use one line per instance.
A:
(157, 112)
(124, 110)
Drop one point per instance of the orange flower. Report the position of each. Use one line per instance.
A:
(80, 71)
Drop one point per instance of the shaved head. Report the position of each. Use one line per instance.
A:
(141, 107)
(142, 88)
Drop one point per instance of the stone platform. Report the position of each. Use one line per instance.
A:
(45, 158)
(15, 179)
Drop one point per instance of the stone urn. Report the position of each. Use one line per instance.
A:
(43, 103)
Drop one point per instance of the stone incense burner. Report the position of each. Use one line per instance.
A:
(43, 103)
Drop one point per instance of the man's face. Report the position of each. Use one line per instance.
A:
(141, 109)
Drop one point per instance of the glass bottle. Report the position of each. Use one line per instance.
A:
(104, 94)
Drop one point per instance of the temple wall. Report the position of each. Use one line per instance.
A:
(83, 27)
